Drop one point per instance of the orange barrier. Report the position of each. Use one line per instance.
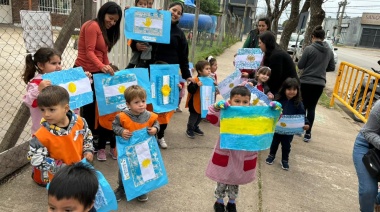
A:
(348, 90)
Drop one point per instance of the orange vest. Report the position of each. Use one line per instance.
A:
(127, 123)
(196, 98)
(163, 118)
(104, 121)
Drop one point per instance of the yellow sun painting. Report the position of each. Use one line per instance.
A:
(165, 90)
(122, 88)
(146, 162)
(72, 87)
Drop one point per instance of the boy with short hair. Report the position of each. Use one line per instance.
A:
(73, 188)
(63, 139)
(135, 117)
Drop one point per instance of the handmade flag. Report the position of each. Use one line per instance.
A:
(257, 96)
(290, 124)
(228, 83)
(164, 80)
(248, 128)
(248, 58)
(141, 166)
(75, 81)
(149, 25)
(207, 94)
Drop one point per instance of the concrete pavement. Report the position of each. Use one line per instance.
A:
(321, 175)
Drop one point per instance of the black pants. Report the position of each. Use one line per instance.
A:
(104, 136)
(194, 120)
(285, 141)
(161, 133)
(88, 113)
(310, 96)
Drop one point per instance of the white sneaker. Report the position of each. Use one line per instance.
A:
(162, 143)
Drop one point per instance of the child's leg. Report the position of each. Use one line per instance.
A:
(275, 144)
(232, 191)
(103, 137)
(286, 145)
(220, 192)
(161, 133)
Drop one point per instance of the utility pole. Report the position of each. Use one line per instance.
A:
(337, 18)
(243, 22)
(342, 4)
(195, 31)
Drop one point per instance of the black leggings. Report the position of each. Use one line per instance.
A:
(160, 133)
(104, 136)
(310, 96)
(88, 113)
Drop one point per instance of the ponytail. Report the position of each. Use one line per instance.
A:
(30, 69)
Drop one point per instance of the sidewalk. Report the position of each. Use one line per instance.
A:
(321, 176)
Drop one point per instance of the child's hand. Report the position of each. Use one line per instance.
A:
(199, 83)
(251, 84)
(89, 75)
(43, 84)
(126, 7)
(180, 86)
(244, 75)
(152, 131)
(270, 95)
(126, 134)
(89, 156)
(221, 105)
(306, 127)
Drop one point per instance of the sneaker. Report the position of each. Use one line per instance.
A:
(285, 165)
(219, 207)
(178, 109)
(205, 120)
(190, 134)
(113, 153)
(101, 155)
(269, 159)
(307, 137)
(198, 131)
(119, 193)
(231, 207)
(162, 143)
(142, 198)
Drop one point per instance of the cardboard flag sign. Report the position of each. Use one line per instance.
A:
(207, 94)
(228, 83)
(248, 58)
(290, 124)
(75, 81)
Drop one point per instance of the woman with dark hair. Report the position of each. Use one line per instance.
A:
(96, 39)
(315, 61)
(278, 60)
(253, 36)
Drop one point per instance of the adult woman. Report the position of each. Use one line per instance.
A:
(278, 60)
(96, 39)
(252, 39)
(368, 137)
(315, 61)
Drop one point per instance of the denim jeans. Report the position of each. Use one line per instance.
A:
(367, 184)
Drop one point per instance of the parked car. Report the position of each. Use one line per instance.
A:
(292, 42)
(329, 43)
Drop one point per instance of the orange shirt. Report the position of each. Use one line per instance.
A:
(196, 98)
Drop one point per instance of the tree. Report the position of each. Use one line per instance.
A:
(278, 7)
(317, 15)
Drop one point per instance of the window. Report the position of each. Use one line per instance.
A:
(4, 2)
(55, 6)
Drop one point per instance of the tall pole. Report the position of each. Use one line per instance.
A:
(344, 3)
(195, 31)
(337, 18)
(243, 22)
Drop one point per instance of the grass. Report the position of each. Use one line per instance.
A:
(215, 50)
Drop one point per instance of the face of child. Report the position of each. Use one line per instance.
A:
(56, 114)
(290, 92)
(150, 3)
(142, 3)
(54, 64)
(65, 205)
(206, 71)
(214, 67)
(110, 20)
(239, 100)
(262, 78)
(137, 106)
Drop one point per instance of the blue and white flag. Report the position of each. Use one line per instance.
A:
(248, 58)
(290, 124)
(75, 81)
(149, 25)
(228, 83)
(259, 95)
(207, 94)
(140, 163)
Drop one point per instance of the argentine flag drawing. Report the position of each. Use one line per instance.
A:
(76, 82)
(248, 58)
(290, 124)
(207, 94)
(248, 128)
(140, 163)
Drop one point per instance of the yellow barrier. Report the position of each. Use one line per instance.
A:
(353, 89)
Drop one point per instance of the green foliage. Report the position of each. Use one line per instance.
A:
(210, 6)
(215, 50)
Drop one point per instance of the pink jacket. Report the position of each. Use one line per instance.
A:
(229, 166)
(30, 100)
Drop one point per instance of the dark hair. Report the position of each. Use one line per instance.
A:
(175, 4)
(134, 91)
(137, 1)
(43, 55)
(267, 22)
(111, 35)
(269, 39)
(211, 60)
(53, 95)
(201, 65)
(318, 32)
(263, 70)
(290, 83)
(77, 181)
(240, 90)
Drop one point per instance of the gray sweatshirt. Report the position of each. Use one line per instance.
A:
(315, 61)
(142, 118)
(371, 129)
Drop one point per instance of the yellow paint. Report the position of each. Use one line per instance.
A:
(165, 90)
(122, 88)
(72, 87)
(231, 85)
(251, 58)
(283, 124)
(146, 162)
(148, 22)
(247, 126)
(255, 101)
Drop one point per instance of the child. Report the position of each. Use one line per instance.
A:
(194, 99)
(45, 60)
(213, 75)
(63, 139)
(73, 188)
(290, 98)
(261, 77)
(230, 168)
(134, 118)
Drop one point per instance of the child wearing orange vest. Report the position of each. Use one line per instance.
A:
(194, 99)
(133, 118)
(63, 139)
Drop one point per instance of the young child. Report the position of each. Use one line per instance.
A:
(63, 139)
(73, 188)
(134, 118)
(213, 75)
(290, 98)
(261, 77)
(45, 60)
(230, 168)
(194, 99)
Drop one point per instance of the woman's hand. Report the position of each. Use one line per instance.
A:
(43, 84)
(89, 75)
(306, 127)
(141, 47)
(108, 70)
(199, 83)
(190, 80)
